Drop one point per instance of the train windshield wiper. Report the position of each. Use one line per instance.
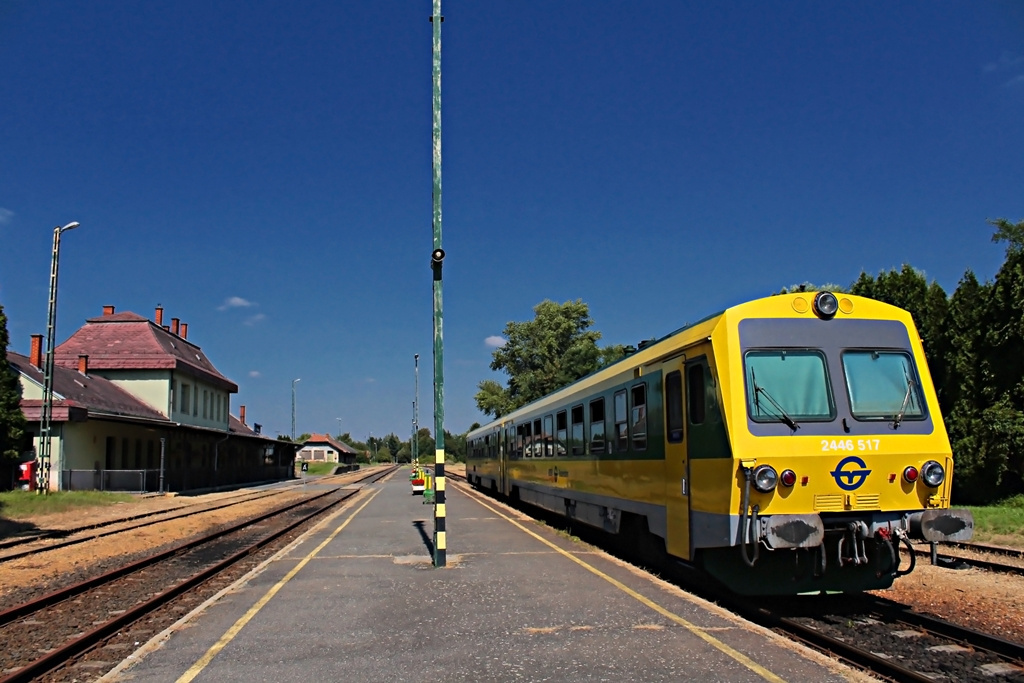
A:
(906, 401)
(778, 413)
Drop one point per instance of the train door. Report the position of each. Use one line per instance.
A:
(677, 480)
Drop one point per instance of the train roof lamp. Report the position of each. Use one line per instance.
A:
(825, 305)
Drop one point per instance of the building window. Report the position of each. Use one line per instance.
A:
(186, 395)
(206, 404)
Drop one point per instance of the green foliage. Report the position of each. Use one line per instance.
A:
(544, 354)
(974, 342)
(811, 287)
(14, 438)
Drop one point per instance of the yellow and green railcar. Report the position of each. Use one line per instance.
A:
(785, 445)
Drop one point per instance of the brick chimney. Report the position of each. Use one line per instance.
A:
(174, 325)
(241, 414)
(158, 318)
(108, 310)
(35, 356)
(184, 330)
(83, 363)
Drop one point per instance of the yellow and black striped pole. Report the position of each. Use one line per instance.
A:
(436, 260)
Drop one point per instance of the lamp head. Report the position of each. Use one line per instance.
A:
(70, 226)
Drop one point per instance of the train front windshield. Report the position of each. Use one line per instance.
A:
(795, 385)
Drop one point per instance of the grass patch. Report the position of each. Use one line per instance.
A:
(1001, 524)
(316, 468)
(26, 504)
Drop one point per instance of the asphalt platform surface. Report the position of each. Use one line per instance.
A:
(358, 599)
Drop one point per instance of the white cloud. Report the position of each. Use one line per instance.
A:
(254, 373)
(5, 216)
(1016, 82)
(495, 341)
(1005, 61)
(252, 320)
(234, 302)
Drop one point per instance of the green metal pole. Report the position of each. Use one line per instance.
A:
(436, 260)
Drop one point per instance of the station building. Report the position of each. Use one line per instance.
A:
(139, 407)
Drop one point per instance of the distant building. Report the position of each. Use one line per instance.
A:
(135, 402)
(323, 448)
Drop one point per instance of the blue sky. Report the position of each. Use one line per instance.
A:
(262, 170)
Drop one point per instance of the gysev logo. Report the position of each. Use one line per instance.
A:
(850, 479)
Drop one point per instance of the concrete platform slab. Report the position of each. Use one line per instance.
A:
(358, 599)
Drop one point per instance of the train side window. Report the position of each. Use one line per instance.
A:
(527, 440)
(577, 431)
(638, 417)
(621, 422)
(538, 440)
(597, 426)
(560, 433)
(546, 435)
(674, 406)
(517, 451)
(695, 393)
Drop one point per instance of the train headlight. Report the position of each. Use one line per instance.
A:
(910, 474)
(933, 473)
(825, 305)
(788, 477)
(765, 478)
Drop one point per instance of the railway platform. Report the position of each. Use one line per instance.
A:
(358, 599)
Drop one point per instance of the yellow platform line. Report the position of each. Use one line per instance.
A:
(692, 628)
(205, 660)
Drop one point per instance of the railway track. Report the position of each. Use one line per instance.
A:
(52, 539)
(966, 555)
(889, 639)
(78, 631)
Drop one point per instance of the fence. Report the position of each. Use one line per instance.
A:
(129, 481)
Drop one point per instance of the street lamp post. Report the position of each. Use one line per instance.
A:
(293, 406)
(415, 447)
(43, 459)
(339, 426)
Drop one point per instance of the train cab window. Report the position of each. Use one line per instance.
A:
(578, 447)
(882, 385)
(597, 442)
(560, 433)
(621, 422)
(695, 394)
(788, 384)
(674, 406)
(638, 417)
(549, 448)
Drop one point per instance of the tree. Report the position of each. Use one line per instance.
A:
(12, 421)
(543, 355)
(927, 304)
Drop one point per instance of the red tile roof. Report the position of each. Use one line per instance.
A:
(75, 395)
(127, 341)
(326, 438)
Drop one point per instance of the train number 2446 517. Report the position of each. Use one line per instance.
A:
(850, 445)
